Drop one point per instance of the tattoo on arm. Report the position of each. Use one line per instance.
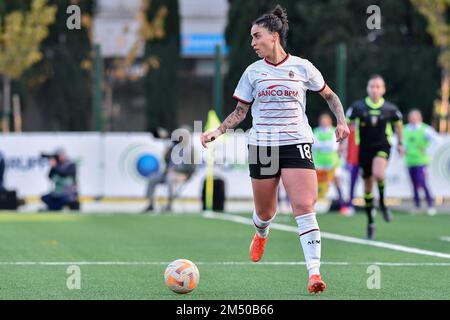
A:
(336, 106)
(236, 117)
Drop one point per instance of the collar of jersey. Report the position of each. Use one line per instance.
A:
(281, 62)
(415, 126)
(374, 105)
(325, 129)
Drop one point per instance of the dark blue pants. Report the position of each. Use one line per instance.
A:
(354, 171)
(419, 181)
(57, 203)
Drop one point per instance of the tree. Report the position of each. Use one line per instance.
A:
(60, 85)
(128, 71)
(163, 50)
(437, 14)
(20, 37)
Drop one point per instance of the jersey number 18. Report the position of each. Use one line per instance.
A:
(305, 151)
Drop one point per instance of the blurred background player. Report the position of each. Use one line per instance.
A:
(326, 159)
(375, 118)
(281, 132)
(418, 137)
(352, 165)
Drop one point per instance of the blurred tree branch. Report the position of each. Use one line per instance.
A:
(21, 35)
(437, 14)
(128, 68)
(150, 30)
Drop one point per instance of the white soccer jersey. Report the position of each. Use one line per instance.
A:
(278, 94)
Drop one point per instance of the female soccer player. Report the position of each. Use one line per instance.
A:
(280, 139)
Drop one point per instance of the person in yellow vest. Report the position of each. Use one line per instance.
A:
(418, 136)
(326, 158)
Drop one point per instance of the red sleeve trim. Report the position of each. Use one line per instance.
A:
(242, 100)
(323, 88)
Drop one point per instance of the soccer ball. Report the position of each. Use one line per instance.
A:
(181, 276)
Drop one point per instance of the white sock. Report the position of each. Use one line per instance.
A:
(262, 227)
(308, 230)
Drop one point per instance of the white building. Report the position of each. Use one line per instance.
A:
(202, 24)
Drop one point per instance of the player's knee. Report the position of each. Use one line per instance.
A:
(267, 213)
(379, 176)
(303, 207)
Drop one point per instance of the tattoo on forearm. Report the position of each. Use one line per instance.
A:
(336, 106)
(234, 118)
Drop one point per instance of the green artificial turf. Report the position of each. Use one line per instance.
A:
(124, 257)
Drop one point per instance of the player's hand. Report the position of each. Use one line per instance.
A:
(401, 150)
(342, 132)
(209, 136)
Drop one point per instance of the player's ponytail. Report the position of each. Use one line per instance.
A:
(275, 21)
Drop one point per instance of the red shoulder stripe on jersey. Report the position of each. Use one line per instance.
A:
(241, 100)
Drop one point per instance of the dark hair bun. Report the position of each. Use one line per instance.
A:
(275, 21)
(280, 12)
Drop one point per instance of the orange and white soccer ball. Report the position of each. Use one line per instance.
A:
(182, 276)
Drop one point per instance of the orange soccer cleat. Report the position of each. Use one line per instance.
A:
(316, 284)
(257, 247)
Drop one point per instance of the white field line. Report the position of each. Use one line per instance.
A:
(445, 239)
(332, 236)
(222, 263)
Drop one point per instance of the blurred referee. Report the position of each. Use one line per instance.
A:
(375, 118)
